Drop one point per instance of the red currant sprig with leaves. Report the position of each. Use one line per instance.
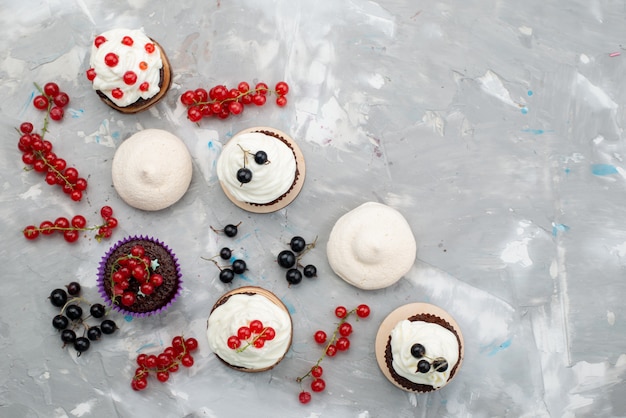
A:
(37, 152)
(168, 361)
(339, 341)
(222, 102)
(71, 229)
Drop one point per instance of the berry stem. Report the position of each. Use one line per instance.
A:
(46, 119)
(330, 342)
(256, 337)
(308, 248)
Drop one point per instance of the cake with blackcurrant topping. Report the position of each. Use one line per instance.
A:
(128, 70)
(261, 169)
(139, 276)
(371, 246)
(419, 347)
(249, 329)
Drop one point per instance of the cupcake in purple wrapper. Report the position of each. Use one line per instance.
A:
(139, 276)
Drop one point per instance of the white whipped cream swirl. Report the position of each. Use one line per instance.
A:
(270, 180)
(438, 342)
(144, 62)
(238, 311)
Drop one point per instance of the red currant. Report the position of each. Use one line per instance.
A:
(151, 361)
(259, 99)
(304, 397)
(71, 235)
(281, 88)
(331, 350)
(56, 113)
(235, 108)
(41, 102)
(106, 211)
(162, 376)
(111, 222)
(320, 337)
(128, 298)
(317, 371)
(156, 280)
(46, 228)
(187, 360)
(194, 113)
(26, 127)
(31, 232)
(345, 329)
(201, 95)
(188, 98)
(259, 343)
(111, 59)
(341, 312)
(343, 344)
(318, 385)
(127, 40)
(130, 78)
(244, 333)
(99, 41)
(281, 101)
(233, 342)
(147, 289)
(91, 74)
(139, 384)
(141, 359)
(164, 360)
(51, 89)
(256, 326)
(363, 311)
(79, 222)
(269, 334)
(76, 195)
(243, 87)
(191, 344)
(62, 222)
(61, 99)
(261, 88)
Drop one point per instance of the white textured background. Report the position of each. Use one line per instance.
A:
(494, 126)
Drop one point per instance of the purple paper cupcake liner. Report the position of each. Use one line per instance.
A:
(102, 278)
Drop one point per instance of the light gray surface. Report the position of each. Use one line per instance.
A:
(495, 127)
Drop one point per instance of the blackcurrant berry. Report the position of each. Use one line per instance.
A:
(68, 336)
(293, 276)
(309, 271)
(230, 230)
(239, 266)
(286, 259)
(260, 157)
(81, 344)
(225, 253)
(73, 312)
(244, 175)
(73, 288)
(423, 366)
(440, 364)
(297, 244)
(227, 275)
(94, 333)
(60, 322)
(58, 297)
(108, 326)
(418, 350)
(97, 310)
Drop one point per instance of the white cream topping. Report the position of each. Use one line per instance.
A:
(152, 169)
(438, 342)
(142, 58)
(372, 246)
(238, 311)
(270, 180)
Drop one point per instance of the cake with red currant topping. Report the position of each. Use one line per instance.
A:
(139, 276)
(261, 169)
(129, 71)
(371, 246)
(249, 329)
(152, 169)
(419, 347)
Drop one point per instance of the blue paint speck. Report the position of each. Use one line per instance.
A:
(524, 110)
(115, 135)
(210, 145)
(128, 318)
(534, 131)
(603, 169)
(530, 92)
(289, 307)
(567, 170)
(499, 348)
(556, 228)
(76, 113)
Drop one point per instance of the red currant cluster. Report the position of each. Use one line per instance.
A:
(37, 152)
(71, 228)
(165, 363)
(222, 102)
(52, 100)
(132, 276)
(71, 318)
(288, 260)
(255, 334)
(339, 341)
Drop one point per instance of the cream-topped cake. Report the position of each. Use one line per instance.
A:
(261, 169)
(152, 169)
(128, 70)
(419, 347)
(371, 246)
(242, 317)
